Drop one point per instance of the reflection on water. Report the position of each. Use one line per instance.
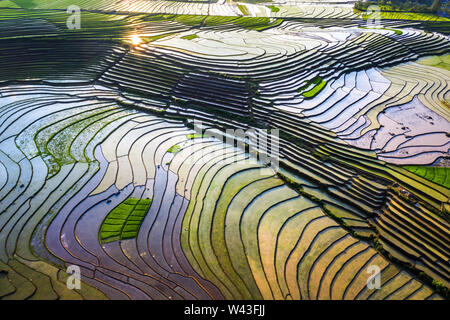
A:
(136, 40)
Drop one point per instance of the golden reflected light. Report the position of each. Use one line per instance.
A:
(136, 40)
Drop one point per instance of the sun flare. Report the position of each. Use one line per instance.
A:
(136, 40)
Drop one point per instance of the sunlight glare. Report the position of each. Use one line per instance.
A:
(136, 40)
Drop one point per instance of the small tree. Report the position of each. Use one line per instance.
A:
(436, 6)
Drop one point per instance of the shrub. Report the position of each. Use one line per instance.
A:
(319, 84)
(174, 149)
(189, 36)
(273, 8)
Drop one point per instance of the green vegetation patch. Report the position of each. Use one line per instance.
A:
(257, 24)
(243, 9)
(124, 221)
(189, 36)
(195, 135)
(190, 20)
(413, 16)
(318, 83)
(438, 175)
(157, 37)
(273, 8)
(8, 4)
(26, 4)
(398, 32)
(417, 6)
(55, 142)
(437, 61)
(174, 149)
(251, 23)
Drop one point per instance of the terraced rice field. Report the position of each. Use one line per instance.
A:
(101, 166)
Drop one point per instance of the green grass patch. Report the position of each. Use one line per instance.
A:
(190, 20)
(312, 93)
(8, 4)
(174, 149)
(195, 135)
(124, 221)
(189, 36)
(243, 9)
(438, 175)
(157, 37)
(273, 8)
(54, 141)
(26, 4)
(252, 23)
(413, 16)
(437, 61)
(399, 32)
(318, 84)
(257, 24)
